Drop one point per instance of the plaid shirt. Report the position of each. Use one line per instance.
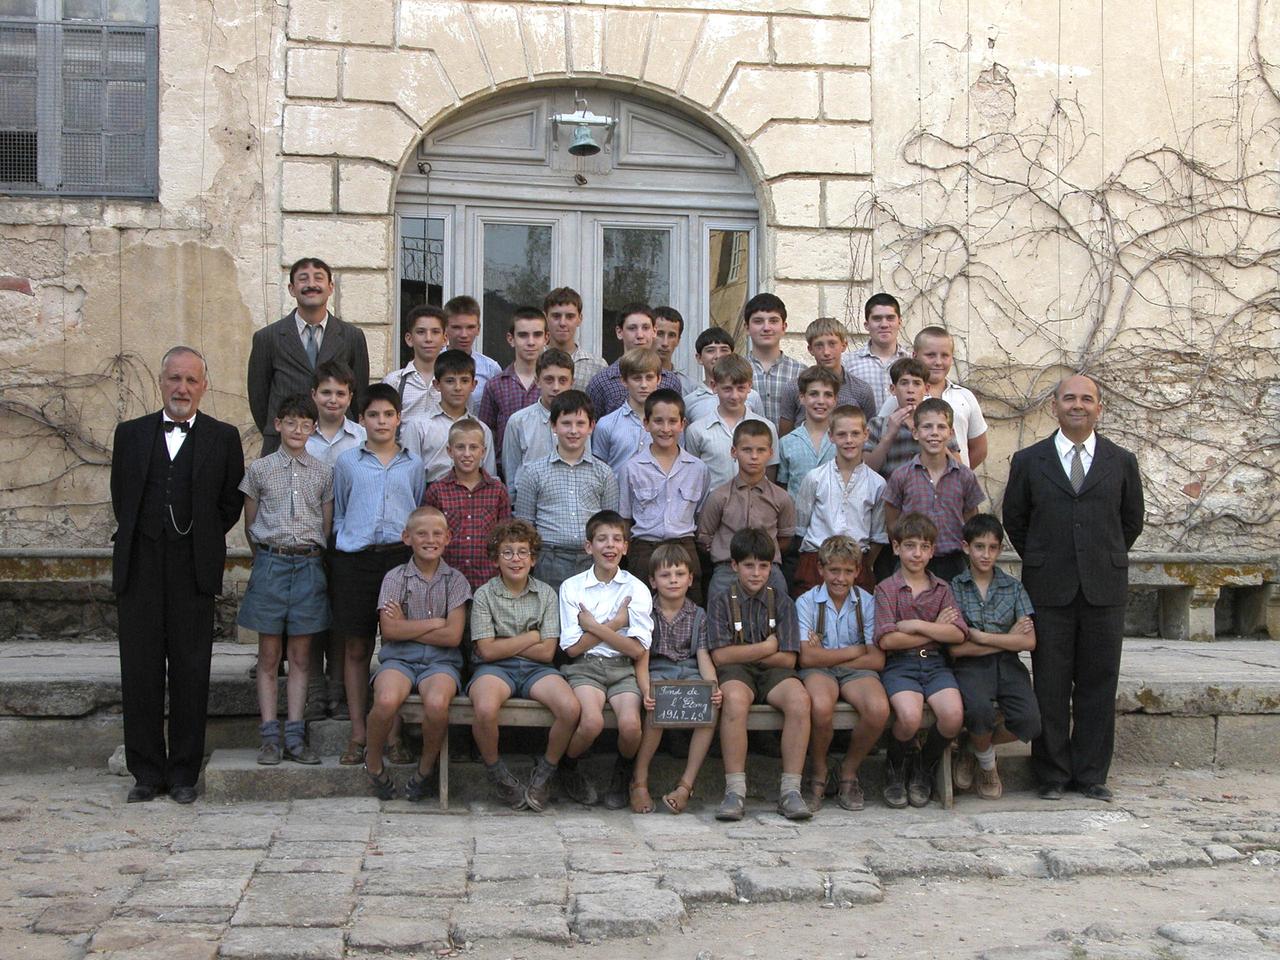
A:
(472, 515)
(585, 367)
(895, 602)
(772, 382)
(497, 612)
(1006, 602)
(422, 599)
(503, 396)
(291, 494)
(866, 366)
(722, 630)
(797, 458)
(680, 638)
(559, 497)
(608, 392)
(911, 491)
(853, 391)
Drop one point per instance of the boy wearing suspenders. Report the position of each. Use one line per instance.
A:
(840, 661)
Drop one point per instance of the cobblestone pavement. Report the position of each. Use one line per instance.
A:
(90, 876)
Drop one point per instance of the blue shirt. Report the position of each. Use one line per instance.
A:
(796, 457)
(1006, 603)
(371, 503)
(618, 437)
(841, 628)
(662, 506)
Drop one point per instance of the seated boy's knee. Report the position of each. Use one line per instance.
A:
(874, 712)
(629, 723)
(1025, 727)
(590, 722)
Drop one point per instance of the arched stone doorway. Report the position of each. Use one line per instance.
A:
(492, 204)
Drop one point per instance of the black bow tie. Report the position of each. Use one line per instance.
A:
(171, 425)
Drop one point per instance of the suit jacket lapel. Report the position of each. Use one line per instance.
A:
(331, 345)
(291, 343)
(1103, 455)
(1051, 464)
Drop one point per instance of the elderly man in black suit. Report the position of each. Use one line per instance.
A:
(285, 354)
(1072, 509)
(175, 490)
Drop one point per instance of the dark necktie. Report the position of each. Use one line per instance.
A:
(172, 425)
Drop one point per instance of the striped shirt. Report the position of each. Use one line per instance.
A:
(427, 438)
(607, 391)
(682, 637)
(895, 602)
(1005, 604)
(372, 502)
(911, 490)
(797, 458)
(866, 366)
(503, 396)
(840, 629)
(497, 612)
(422, 598)
(291, 495)
(722, 627)
(662, 506)
(472, 515)
(559, 497)
(772, 381)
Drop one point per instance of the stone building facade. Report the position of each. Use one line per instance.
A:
(1062, 185)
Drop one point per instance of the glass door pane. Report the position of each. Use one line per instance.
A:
(422, 259)
(517, 260)
(636, 267)
(729, 280)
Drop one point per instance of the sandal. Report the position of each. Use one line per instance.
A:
(813, 790)
(641, 802)
(354, 753)
(678, 798)
(398, 754)
(383, 787)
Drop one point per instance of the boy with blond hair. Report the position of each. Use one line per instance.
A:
(840, 661)
(827, 339)
(422, 611)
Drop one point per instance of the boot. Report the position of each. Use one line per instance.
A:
(895, 788)
(615, 797)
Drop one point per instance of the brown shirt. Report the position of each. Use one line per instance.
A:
(736, 505)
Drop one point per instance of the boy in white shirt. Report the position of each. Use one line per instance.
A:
(416, 382)
(427, 436)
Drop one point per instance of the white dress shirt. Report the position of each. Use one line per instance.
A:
(602, 601)
(419, 396)
(320, 330)
(173, 438)
(826, 505)
(1065, 455)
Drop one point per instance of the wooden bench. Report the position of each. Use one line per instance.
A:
(530, 713)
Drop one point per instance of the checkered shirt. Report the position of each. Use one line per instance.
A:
(772, 383)
(585, 367)
(503, 396)
(472, 515)
(421, 598)
(797, 458)
(1006, 603)
(608, 392)
(722, 630)
(895, 603)
(291, 494)
(682, 637)
(866, 366)
(911, 491)
(901, 450)
(497, 612)
(559, 497)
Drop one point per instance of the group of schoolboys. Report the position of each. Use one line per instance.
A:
(627, 496)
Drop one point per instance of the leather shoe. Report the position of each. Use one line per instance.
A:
(183, 794)
(142, 793)
(1051, 791)
(1097, 791)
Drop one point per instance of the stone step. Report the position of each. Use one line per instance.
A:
(234, 776)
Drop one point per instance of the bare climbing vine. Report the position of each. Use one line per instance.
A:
(1159, 277)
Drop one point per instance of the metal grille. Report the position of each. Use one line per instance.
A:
(78, 99)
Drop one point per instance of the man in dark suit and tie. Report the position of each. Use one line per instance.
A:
(284, 355)
(1072, 509)
(175, 490)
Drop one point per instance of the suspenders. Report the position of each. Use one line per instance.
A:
(735, 611)
(857, 609)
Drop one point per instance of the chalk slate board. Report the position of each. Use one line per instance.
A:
(682, 703)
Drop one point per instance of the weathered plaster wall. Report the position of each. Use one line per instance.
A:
(283, 126)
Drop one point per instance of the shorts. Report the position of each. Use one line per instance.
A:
(520, 674)
(760, 679)
(613, 675)
(285, 595)
(912, 673)
(664, 668)
(418, 671)
(841, 675)
(355, 580)
(556, 564)
(998, 679)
